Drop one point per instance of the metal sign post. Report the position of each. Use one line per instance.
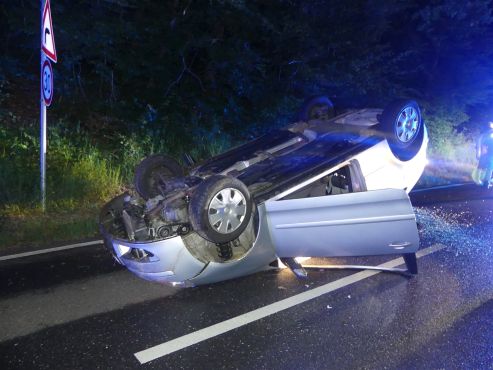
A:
(42, 142)
(42, 119)
(48, 52)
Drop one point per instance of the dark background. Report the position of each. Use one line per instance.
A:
(237, 65)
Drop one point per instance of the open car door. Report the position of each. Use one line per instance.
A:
(354, 224)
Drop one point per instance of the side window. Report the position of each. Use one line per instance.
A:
(337, 182)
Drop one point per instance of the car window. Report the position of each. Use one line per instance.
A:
(337, 182)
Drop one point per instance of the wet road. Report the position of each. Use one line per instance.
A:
(76, 309)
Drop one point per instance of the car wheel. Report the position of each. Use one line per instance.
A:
(317, 107)
(403, 127)
(152, 172)
(220, 209)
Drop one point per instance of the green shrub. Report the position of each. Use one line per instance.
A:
(451, 154)
(77, 173)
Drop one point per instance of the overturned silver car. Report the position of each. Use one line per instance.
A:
(328, 185)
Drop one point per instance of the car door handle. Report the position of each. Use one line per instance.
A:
(399, 245)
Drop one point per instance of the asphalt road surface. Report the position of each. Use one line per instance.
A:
(77, 309)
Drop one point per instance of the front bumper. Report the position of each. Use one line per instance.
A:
(171, 262)
(164, 261)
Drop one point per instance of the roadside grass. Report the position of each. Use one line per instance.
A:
(439, 172)
(451, 154)
(80, 178)
(75, 193)
(42, 229)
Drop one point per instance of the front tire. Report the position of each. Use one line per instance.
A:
(220, 209)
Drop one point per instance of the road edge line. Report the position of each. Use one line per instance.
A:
(50, 250)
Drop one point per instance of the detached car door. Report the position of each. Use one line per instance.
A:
(353, 224)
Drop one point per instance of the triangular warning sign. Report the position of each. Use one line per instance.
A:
(48, 38)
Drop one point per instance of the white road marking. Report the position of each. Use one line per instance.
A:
(201, 335)
(50, 250)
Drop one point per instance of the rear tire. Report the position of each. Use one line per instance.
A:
(402, 125)
(316, 107)
(220, 209)
(154, 171)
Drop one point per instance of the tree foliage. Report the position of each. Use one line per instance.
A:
(236, 66)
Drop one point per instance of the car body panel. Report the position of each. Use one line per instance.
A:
(354, 224)
(256, 259)
(242, 152)
(381, 169)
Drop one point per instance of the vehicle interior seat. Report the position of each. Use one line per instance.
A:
(338, 184)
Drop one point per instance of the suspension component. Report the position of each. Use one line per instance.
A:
(224, 251)
(163, 232)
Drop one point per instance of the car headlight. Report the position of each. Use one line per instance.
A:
(136, 254)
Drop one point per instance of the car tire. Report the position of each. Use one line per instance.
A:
(220, 209)
(403, 127)
(316, 107)
(153, 170)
